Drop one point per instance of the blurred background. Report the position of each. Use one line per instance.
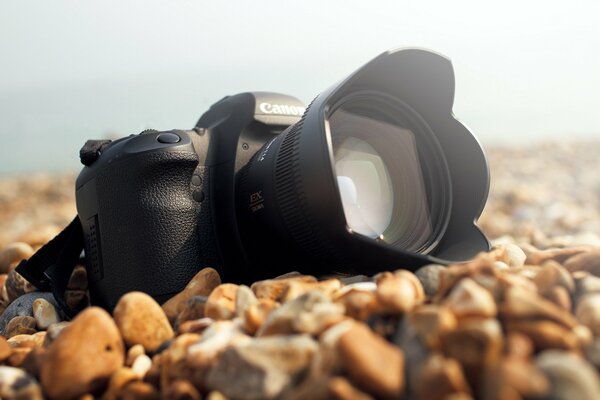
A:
(527, 84)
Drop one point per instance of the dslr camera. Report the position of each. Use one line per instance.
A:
(375, 174)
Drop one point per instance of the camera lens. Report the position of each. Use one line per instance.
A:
(389, 172)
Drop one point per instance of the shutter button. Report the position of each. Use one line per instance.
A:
(168, 138)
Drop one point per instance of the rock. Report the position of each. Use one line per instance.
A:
(181, 390)
(16, 384)
(364, 353)
(429, 276)
(521, 303)
(139, 391)
(117, 382)
(545, 334)
(297, 288)
(263, 368)
(202, 284)
(514, 256)
(431, 321)
(560, 296)
(518, 345)
(522, 377)
(24, 340)
(585, 284)
(5, 349)
(20, 325)
(83, 357)
(23, 306)
(172, 363)
(221, 302)
(18, 356)
(40, 235)
(588, 312)
(468, 299)
(44, 313)
(134, 352)
(311, 313)
(141, 365)
(359, 304)
(439, 378)
(570, 376)
(538, 257)
(216, 338)
(553, 274)
(17, 286)
(12, 254)
(244, 298)
(78, 279)
(273, 288)
(53, 331)
(340, 388)
(398, 292)
(77, 299)
(195, 325)
(192, 309)
(584, 261)
(256, 314)
(142, 321)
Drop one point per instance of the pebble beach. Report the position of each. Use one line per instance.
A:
(519, 322)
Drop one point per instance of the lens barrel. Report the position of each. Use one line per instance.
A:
(376, 175)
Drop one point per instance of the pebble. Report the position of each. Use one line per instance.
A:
(273, 288)
(262, 368)
(340, 388)
(5, 349)
(570, 376)
(16, 384)
(221, 302)
(588, 312)
(17, 286)
(141, 320)
(192, 309)
(12, 254)
(545, 334)
(78, 279)
(141, 365)
(244, 298)
(23, 306)
(585, 261)
(521, 303)
(181, 390)
(53, 331)
(431, 321)
(20, 325)
(256, 314)
(364, 362)
(202, 284)
(468, 299)
(44, 313)
(440, 378)
(429, 276)
(83, 357)
(552, 275)
(398, 292)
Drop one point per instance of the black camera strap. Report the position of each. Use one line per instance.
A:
(50, 268)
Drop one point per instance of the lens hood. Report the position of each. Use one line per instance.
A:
(302, 218)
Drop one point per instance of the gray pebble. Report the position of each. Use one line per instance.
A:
(429, 276)
(23, 306)
(571, 376)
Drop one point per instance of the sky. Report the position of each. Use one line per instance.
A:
(72, 70)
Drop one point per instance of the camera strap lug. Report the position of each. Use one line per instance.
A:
(91, 151)
(50, 268)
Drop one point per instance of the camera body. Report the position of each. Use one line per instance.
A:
(157, 207)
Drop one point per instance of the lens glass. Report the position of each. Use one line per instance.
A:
(382, 185)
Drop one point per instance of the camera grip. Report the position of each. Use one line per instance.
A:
(147, 227)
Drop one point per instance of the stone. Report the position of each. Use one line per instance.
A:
(44, 313)
(468, 299)
(297, 288)
(538, 257)
(312, 313)
(520, 303)
(195, 326)
(18, 356)
(192, 309)
(40, 235)
(273, 288)
(588, 312)
(359, 304)
(5, 349)
(570, 376)
(18, 385)
(134, 352)
(585, 283)
(12, 254)
(202, 284)
(560, 296)
(553, 274)
(256, 314)
(429, 276)
(340, 388)
(585, 261)
(141, 320)
(431, 321)
(83, 357)
(23, 306)
(117, 382)
(17, 286)
(216, 338)
(25, 340)
(20, 325)
(181, 390)
(262, 368)
(514, 256)
(364, 353)
(522, 377)
(172, 363)
(518, 345)
(139, 391)
(545, 334)
(398, 292)
(141, 365)
(53, 331)
(77, 299)
(440, 377)
(221, 302)
(78, 279)
(244, 298)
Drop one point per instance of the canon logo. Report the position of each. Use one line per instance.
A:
(282, 109)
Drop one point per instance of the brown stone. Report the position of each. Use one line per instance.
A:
(553, 274)
(538, 257)
(181, 390)
(139, 391)
(142, 321)
(440, 377)
(118, 380)
(431, 321)
(340, 388)
(173, 362)
(398, 292)
(195, 325)
(20, 325)
(78, 279)
(77, 299)
(359, 304)
(588, 312)
(272, 288)
(202, 284)
(17, 286)
(545, 334)
(518, 345)
(523, 377)
(53, 331)
(221, 302)
(520, 303)
(18, 356)
(256, 314)
(5, 349)
(16, 384)
(364, 353)
(297, 288)
(468, 299)
(483, 264)
(83, 357)
(27, 340)
(585, 261)
(134, 352)
(12, 254)
(192, 309)
(40, 235)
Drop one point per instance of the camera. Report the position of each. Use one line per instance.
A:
(375, 174)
